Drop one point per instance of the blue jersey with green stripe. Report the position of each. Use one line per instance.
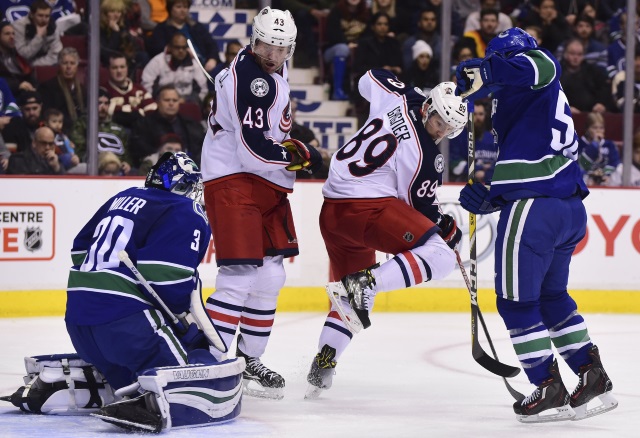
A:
(537, 141)
(166, 236)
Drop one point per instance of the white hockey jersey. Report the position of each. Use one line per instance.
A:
(250, 117)
(392, 155)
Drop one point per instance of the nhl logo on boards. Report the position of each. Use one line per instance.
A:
(259, 87)
(33, 239)
(439, 163)
(408, 236)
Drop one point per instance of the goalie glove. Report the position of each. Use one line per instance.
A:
(303, 156)
(449, 231)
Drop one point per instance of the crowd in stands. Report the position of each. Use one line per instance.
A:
(152, 95)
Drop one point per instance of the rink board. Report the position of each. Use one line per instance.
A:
(39, 218)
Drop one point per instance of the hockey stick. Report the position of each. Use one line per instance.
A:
(197, 314)
(479, 354)
(197, 61)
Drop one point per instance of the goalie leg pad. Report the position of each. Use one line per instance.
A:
(61, 384)
(181, 397)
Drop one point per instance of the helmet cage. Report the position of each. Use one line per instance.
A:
(275, 27)
(176, 173)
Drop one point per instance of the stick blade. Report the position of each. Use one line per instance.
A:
(493, 366)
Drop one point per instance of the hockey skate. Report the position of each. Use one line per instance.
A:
(354, 292)
(549, 402)
(321, 373)
(593, 384)
(260, 381)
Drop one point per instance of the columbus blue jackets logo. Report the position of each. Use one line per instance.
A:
(33, 239)
(285, 120)
(259, 87)
(439, 163)
(408, 236)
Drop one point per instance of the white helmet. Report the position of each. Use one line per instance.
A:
(450, 107)
(275, 27)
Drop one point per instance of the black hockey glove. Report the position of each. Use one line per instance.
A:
(449, 231)
(473, 198)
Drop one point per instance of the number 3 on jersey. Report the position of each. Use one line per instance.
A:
(371, 159)
(253, 120)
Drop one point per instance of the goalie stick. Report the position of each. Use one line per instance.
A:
(178, 320)
(194, 54)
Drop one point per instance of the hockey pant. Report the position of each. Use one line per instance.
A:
(246, 296)
(432, 260)
(535, 240)
(122, 348)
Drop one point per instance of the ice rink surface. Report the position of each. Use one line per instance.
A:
(409, 375)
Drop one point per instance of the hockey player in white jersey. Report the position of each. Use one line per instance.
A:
(249, 164)
(381, 195)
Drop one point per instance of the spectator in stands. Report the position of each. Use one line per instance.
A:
(180, 21)
(18, 134)
(115, 36)
(378, 50)
(307, 15)
(457, 22)
(584, 84)
(555, 28)
(147, 131)
(14, 68)
(128, 100)
(36, 37)
(473, 20)
(346, 22)
(595, 53)
(601, 30)
(38, 159)
(168, 143)
(8, 106)
(461, 51)
(427, 32)
(4, 156)
(175, 66)
(109, 165)
(233, 47)
(13, 10)
(485, 33)
(112, 137)
(152, 12)
(618, 85)
(306, 136)
(65, 91)
(617, 49)
(599, 157)
(422, 72)
(486, 149)
(615, 179)
(65, 149)
(389, 8)
(535, 32)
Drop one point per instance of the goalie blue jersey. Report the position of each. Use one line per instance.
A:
(166, 236)
(537, 147)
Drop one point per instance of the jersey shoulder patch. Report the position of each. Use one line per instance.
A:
(253, 86)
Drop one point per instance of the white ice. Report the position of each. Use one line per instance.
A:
(408, 375)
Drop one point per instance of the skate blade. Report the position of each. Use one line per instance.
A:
(130, 425)
(336, 291)
(607, 403)
(254, 389)
(562, 413)
(313, 392)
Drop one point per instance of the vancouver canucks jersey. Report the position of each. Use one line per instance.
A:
(249, 119)
(166, 236)
(392, 155)
(537, 141)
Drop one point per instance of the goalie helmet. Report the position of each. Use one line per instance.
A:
(176, 172)
(275, 27)
(510, 41)
(443, 101)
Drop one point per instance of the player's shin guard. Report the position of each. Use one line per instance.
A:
(61, 384)
(180, 397)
